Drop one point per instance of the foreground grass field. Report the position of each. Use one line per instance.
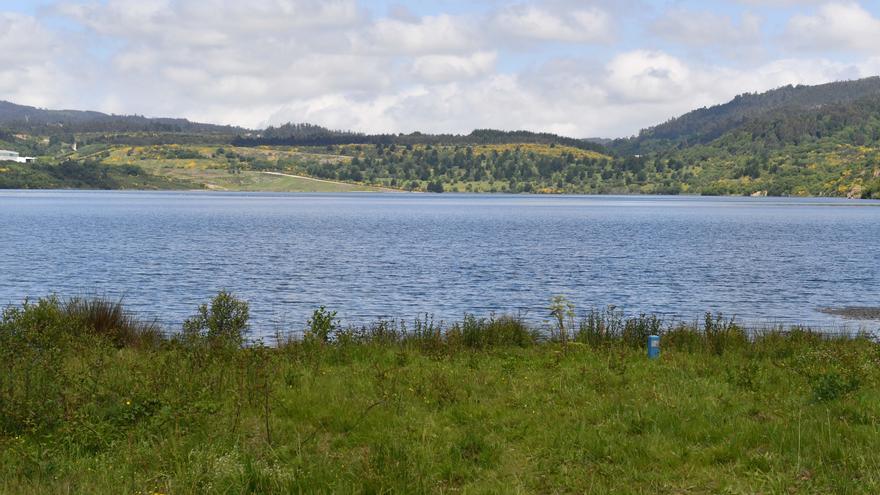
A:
(93, 401)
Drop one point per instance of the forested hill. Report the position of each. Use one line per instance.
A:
(793, 141)
(785, 107)
(312, 135)
(24, 118)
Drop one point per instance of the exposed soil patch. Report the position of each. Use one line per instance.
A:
(854, 312)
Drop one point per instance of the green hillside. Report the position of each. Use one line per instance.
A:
(793, 141)
(704, 125)
(794, 145)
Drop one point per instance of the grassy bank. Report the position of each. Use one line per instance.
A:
(85, 175)
(94, 401)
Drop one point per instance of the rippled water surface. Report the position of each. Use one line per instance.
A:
(396, 255)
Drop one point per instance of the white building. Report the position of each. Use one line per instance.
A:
(12, 156)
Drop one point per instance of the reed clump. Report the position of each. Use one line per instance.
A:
(109, 319)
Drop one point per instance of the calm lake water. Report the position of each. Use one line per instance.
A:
(366, 256)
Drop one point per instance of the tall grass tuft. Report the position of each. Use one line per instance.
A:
(426, 335)
(723, 334)
(601, 327)
(110, 319)
(481, 333)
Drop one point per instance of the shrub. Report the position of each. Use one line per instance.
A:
(35, 338)
(837, 366)
(832, 385)
(222, 324)
(322, 325)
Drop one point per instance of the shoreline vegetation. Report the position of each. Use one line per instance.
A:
(516, 168)
(94, 400)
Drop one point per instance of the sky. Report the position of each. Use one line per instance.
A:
(580, 68)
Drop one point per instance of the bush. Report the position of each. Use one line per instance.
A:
(832, 385)
(223, 324)
(322, 325)
(435, 187)
(837, 366)
(33, 341)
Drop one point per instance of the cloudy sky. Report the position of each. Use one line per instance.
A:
(581, 68)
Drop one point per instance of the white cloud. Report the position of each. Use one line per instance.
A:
(568, 96)
(648, 76)
(209, 21)
(432, 34)
(701, 28)
(836, 27)
(444, 68)
(578, 25)
(30, 56)
(780, 3)
(337, 64)
(195, 57)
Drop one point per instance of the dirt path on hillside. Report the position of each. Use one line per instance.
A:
(383, 189)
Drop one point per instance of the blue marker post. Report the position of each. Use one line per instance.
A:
(653, 346)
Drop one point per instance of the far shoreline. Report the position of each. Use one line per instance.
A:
(757, 199)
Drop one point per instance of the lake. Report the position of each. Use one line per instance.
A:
(763, 260)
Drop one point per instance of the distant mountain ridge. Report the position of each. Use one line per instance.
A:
(313, 135)
(748, 111)
(22, 118)
(28, 118)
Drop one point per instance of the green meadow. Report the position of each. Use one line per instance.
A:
(92, 400)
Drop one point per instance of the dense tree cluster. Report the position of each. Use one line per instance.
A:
(707, 124)
(511, 168)
(311, 135)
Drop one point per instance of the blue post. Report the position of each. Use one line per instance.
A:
(653, 346)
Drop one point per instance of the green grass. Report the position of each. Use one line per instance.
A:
(483, 406)
(246, 180)
(257, 181)
(215, 172)
(99, 166)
